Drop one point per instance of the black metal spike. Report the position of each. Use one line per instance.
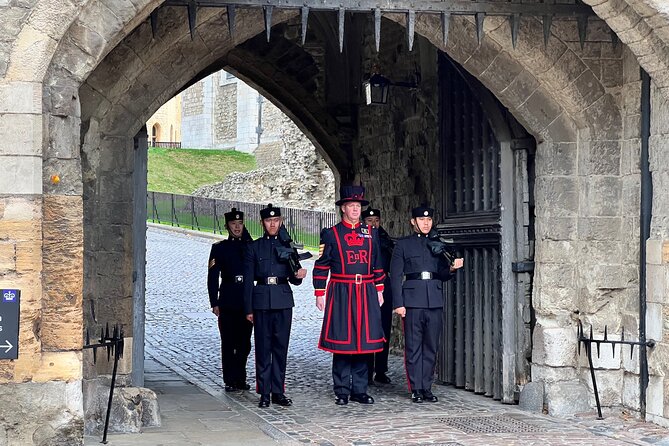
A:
(445, 25)
(192, 18)
(613, 349)
(377, 28)
(582, 21)
(267, 10)
(341, 17)
(591, 338)
(547, 21)
(579, 346)
(606, 335)
(95, 355)
(411, 26)
(154, 23)
(231, 20)
(622, 334)
(631, 351)
(88, 337)
(106, 336)
(614, 39)
(597, 344)
(305, 20)
(514, 20)
(480, 17)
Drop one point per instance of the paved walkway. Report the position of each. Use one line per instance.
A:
(182, 339)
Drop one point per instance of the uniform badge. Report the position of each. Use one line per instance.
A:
(271, 213)
(426, 213)
(364, 230)
(212, 262)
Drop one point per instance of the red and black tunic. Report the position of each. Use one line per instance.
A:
(352, 319)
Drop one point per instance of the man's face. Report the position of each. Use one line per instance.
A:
(272, 225)
(352, 211)
(236, 227)
(422, 224)
(373, 221)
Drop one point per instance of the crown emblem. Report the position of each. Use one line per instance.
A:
(352, 239)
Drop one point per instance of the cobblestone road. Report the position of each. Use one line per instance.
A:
(181, 333)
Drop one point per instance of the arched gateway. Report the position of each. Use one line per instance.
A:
(526, 135)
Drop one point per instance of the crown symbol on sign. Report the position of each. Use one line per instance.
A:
(352, 239)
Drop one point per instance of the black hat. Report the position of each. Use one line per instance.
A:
(350, 193)
(369, 212)
(234, 214)
(422, 211)
(269, 212)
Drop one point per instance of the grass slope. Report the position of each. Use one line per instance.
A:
(182, 171)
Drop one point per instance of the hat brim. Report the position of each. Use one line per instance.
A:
(351, 200)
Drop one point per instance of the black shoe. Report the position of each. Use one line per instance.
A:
(382, 378)
(416, 397)
(429, 396)
(281, 399)
(230, 388)
(341, 400)
(264, 401)
(362, 398)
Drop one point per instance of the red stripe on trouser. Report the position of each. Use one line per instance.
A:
(406, 369)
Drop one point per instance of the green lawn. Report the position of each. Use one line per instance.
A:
(182, 171)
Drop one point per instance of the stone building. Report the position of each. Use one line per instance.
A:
(164, 127)
(542, 144)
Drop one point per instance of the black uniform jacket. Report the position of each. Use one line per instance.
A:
(413, 255)
(262, 262)
(350, 254)
(226, 262)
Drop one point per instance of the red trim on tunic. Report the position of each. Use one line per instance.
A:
(321, 267)
(341, 251)
(351, 352)
(369, 341)
(327, 325)
(358, 306)
(349, 225)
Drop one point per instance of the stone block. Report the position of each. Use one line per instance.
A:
(600, 158)
(654, 321)
(28, 257)
(563, 129)
(21, 175)
(556, 159)
(501, 72)
(609, 385)
(45, 413)
(557, 197)
(555, 347)
(599, 228)
(630, 391)
(31, 52)
(519, 90)
(48, 366)
(550, 375)
(558, 228)
(133, 408)
(600, 196)
(20, 97)
(532, 397)
(551, 299)
(64, 137)
(568, 398)
(550, 251)
(655, 396)
(656, 288)
(604, 119)
(555, 275)
(21, 134)
(64, 99)
(7, 257)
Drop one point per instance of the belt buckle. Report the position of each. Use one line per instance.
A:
(425, 275)
(239, 279)
(358, 279)
(272, 280)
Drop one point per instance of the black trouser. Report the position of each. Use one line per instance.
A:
(349, 374)
(271, 333)
(378, 362)
(235, 344)
(422, 333)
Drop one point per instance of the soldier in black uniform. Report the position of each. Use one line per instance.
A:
(226, 296)
(378, 362)
(269, 305)
(420, 301)
(349, 253)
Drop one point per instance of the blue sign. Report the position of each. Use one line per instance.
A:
(9, 323)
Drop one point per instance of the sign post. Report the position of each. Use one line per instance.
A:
(9, 323)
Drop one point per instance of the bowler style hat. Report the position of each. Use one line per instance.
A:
(350, 194)
(370, 212)
(422, 211)
(269, 212)
(234, 214)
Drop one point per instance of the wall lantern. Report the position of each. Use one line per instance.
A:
(377, 87)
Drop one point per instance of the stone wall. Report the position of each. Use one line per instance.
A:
(225, 113)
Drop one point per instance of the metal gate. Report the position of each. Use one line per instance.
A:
(487, 164)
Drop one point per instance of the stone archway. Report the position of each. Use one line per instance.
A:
(571, 150)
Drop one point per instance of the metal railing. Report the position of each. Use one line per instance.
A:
(207, 214)
(165, 144)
